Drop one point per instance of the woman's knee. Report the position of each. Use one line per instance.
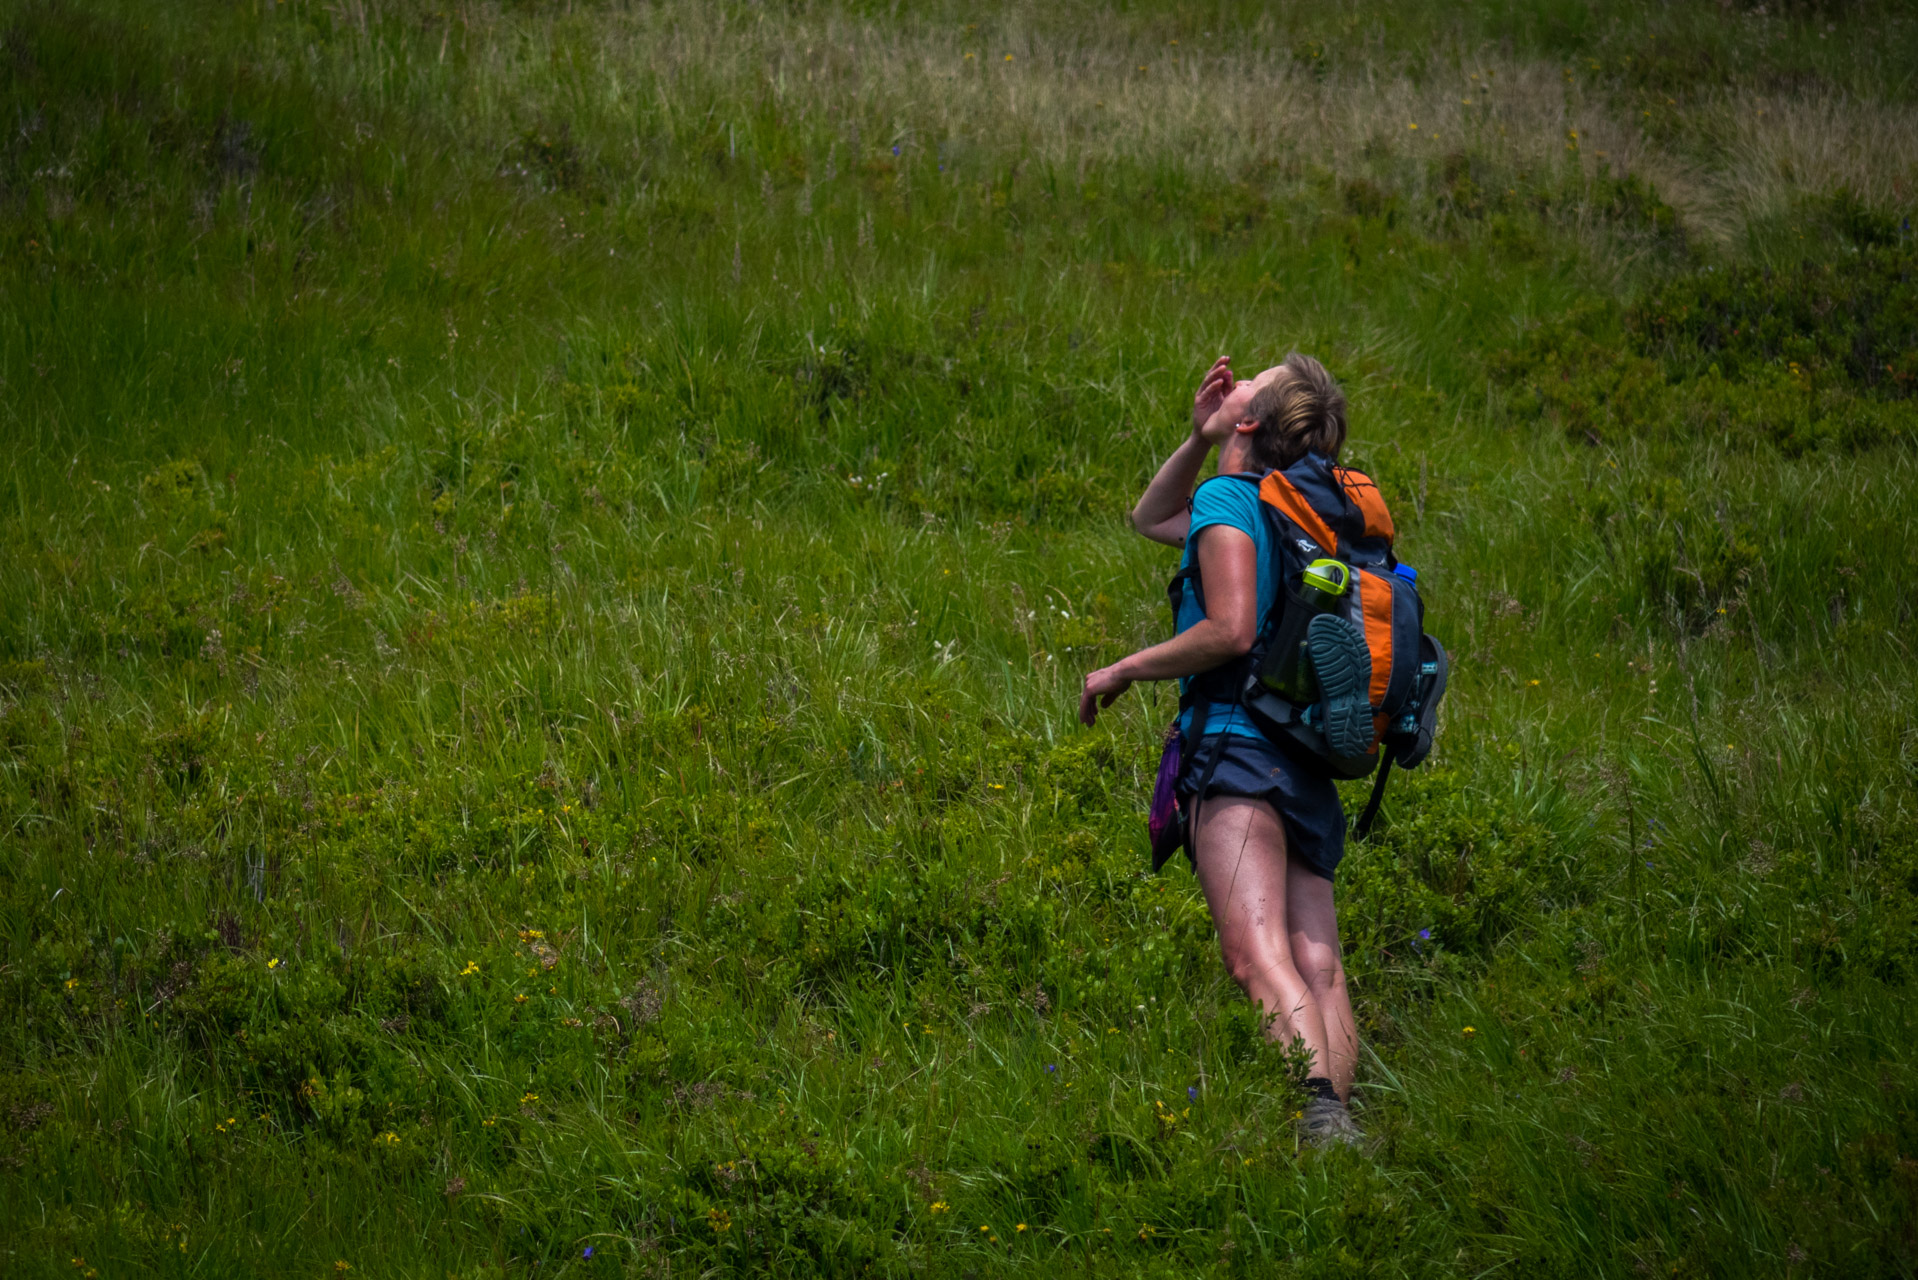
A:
(1320, 966)
(1251, 963)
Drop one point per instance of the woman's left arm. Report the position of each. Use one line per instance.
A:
(1229, 567)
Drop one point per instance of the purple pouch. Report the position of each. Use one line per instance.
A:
(1165, 824)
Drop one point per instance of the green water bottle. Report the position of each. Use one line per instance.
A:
(1324, 584)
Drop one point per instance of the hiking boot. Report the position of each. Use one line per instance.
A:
(1325, 1123)
(1344, 667)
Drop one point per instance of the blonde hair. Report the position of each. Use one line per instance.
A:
(1299, 413)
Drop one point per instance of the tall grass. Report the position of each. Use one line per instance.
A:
(549, 551)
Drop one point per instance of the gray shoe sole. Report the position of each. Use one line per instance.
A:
(1344, 667)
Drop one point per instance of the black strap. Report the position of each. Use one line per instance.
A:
(1201, 709)
(1364, 824)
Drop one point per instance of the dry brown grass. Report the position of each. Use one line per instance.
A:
(1123, 91)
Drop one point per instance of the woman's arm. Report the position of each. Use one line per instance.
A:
(1229, 567)
(1161, 513)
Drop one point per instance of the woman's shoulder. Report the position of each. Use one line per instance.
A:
(1227, 499)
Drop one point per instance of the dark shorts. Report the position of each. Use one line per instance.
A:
(1308, 805)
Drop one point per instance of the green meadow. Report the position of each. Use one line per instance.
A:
(548, 548)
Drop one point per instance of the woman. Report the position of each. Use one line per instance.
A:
(1268, 835)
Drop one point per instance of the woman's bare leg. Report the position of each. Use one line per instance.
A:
(1241, 860)
(1313, 927)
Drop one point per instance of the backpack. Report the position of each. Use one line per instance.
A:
(1318, 510)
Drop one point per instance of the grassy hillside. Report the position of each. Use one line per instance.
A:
(547, 552)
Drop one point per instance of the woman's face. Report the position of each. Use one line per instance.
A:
(1239, 399)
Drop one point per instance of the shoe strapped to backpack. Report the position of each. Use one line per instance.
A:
(1350, 613)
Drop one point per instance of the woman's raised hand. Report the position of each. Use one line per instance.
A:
(1213, 390)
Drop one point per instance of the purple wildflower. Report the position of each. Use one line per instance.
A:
(588, 1252)
(1192, 1093)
